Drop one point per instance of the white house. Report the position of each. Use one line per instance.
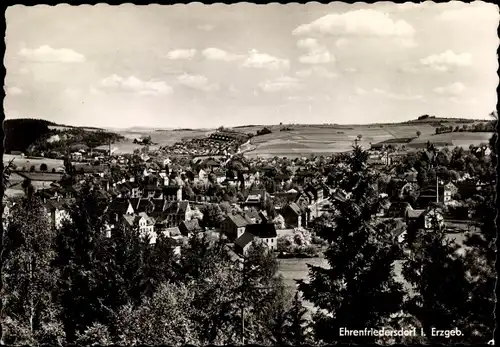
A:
(449, 191)
(57, 213)
(146, 225)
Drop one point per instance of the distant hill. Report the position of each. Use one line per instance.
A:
(21, 133)
(27, 134)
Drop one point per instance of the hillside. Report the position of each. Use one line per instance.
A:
(21, 133)
(284, 140)
(37, 135)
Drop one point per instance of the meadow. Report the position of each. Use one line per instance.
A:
(27, 162)
(455, 139)
(294, 269)
(304, 140)
(160, 138)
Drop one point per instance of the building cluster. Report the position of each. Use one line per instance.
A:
(270, 195)
(218, 143)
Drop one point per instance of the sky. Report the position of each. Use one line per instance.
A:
(224, 65)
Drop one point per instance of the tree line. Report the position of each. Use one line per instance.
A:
(77, 285)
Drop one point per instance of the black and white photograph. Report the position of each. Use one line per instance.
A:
(249, 174)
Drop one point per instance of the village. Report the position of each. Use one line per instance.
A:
(279, 202)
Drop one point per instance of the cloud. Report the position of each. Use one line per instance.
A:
(468, 13)
(284, 83)
(407, 42)
(342, 42)
(178, 54)
(206, 27)
(360, 91)
(462, 101)
(133, 84)
(47, 54)
(389, 95)
(318, 54)
(14, 91)
(308, 43)
(196, 82)
(350, 69)
(446, 60)
(219, 54)
(95, 91)
(451, 89)
(72, 92)
(359, 22)
(265, 61)
(316, 70)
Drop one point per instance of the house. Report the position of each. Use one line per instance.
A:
(190, 227)
(411, 215)
(174, 214)
(450, 190)
(140, 222)
(234, 226)
(257, 198)
(314, 192)
(57, 211)
(425, 219)
(144, 205)
(152, 191)
(265, 232)
(118, 208)
(243, 243)
(293, 215)
(146, 225)
(172, 192)
(252, 215)
(202, 176)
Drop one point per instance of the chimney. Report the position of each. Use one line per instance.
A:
(179, 193)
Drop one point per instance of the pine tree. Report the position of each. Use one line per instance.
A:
(77, 258)
(29, 312)
(437, 273)
(359, 289)
(296, 330)
(481, 257)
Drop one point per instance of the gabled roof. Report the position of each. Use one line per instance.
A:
(244, 240)
(262, 230)
(190, 225)
(295, 208)
(149, 220)
(134, 202)
(414, 213)
(130, 220)
(119, 206)
(143, 204)
(238, 220)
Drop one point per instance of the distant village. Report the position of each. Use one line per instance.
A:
(207, 185)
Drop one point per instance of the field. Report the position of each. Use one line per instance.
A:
(455, 139)
(20, 161)
(294, 269)
(159, 138)
(304, 140)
